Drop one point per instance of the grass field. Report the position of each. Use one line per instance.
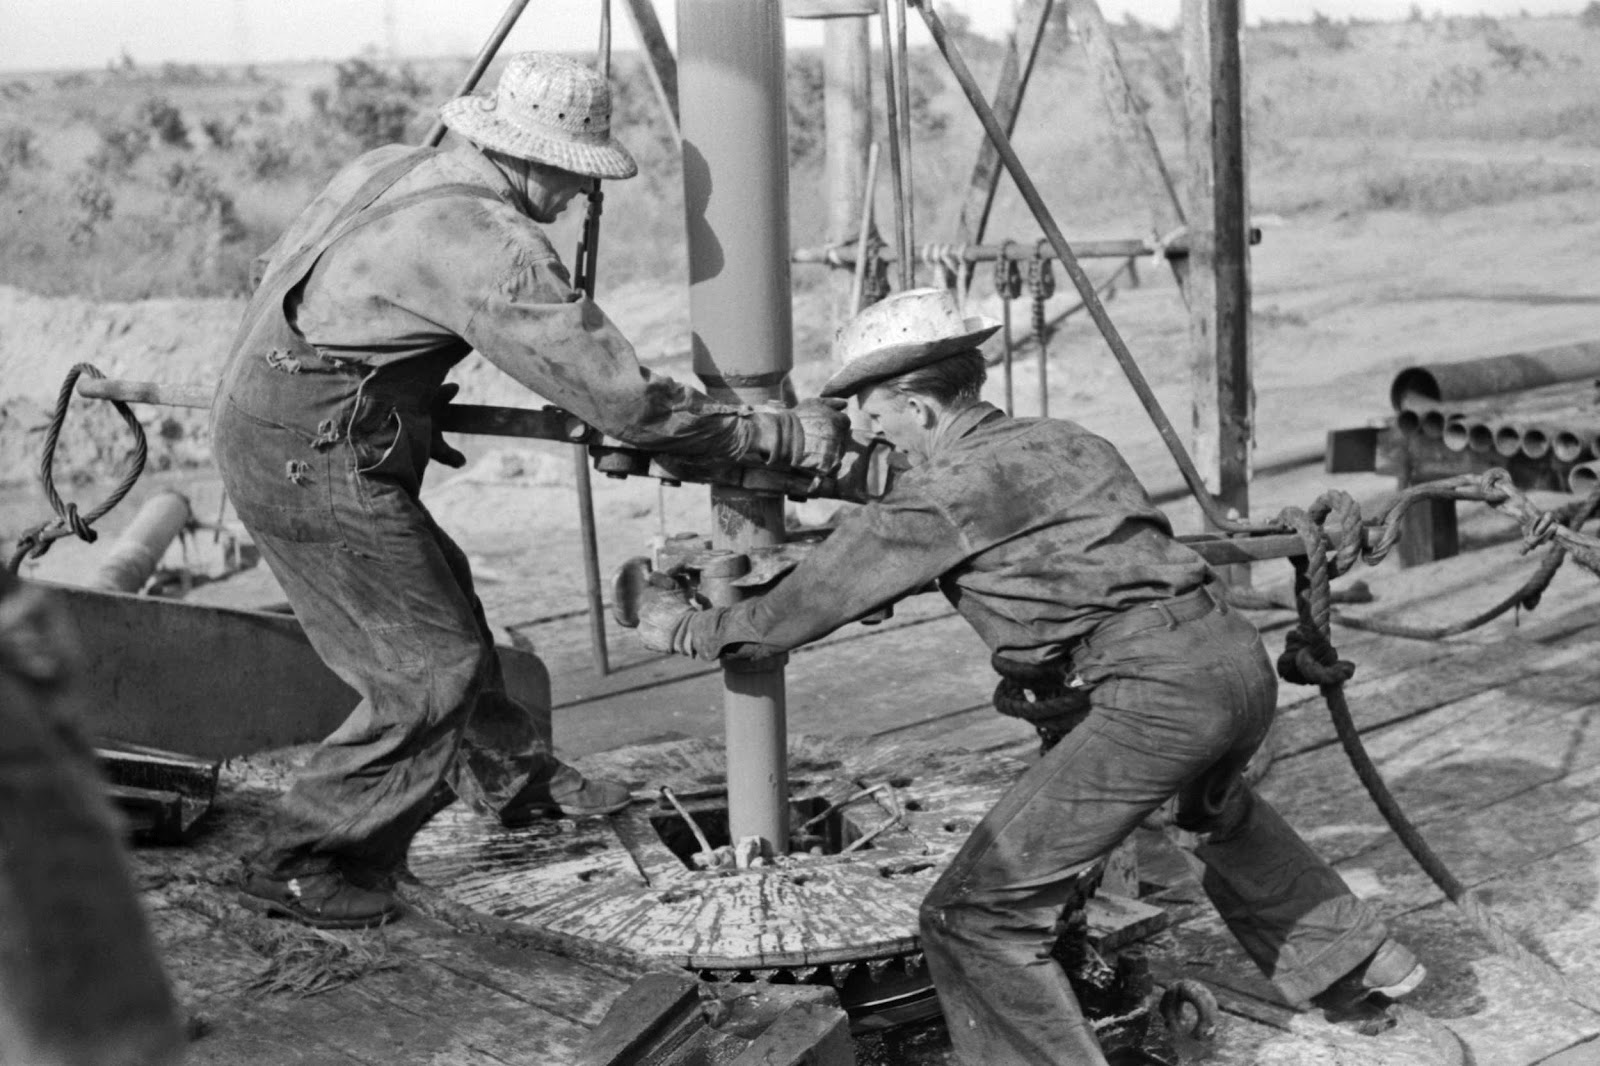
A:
(130, 183)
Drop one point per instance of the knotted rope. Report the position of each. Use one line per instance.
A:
(68, 522)
(1309, 658)
(1042, 695)
(1007, 286)
(1041, 286)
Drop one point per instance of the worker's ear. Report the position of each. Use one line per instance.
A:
(926, 415)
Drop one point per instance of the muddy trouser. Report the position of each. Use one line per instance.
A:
(1182, 694)
(324, 468)
(80, 981)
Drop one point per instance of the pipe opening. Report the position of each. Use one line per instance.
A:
(1480, 438)
(1455, 435)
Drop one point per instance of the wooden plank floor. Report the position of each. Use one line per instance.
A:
(1490, 741)
(1486, 739)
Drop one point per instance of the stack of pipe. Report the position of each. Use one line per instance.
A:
(1525, 404)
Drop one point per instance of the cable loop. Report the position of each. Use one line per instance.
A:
(68, 520)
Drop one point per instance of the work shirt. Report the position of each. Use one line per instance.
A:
(1035, 530)
(471, 270)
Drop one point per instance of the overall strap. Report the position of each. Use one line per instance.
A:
(375, 186)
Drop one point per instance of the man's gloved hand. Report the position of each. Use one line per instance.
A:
(809, 436)
(664, 614)
(439, 450)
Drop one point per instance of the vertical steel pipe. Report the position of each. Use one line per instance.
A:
(736, 196)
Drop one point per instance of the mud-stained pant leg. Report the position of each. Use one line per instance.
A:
(1162, 712)
(384, 610)
(506, 757)
(1289, 910)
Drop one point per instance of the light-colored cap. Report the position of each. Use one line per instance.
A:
(549, 109)
(900, 333)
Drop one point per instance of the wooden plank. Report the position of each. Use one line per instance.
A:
(1219, 252)
(662, 67)
(847, 120)
(1126, 110)
(564, 987)
(1022, 49)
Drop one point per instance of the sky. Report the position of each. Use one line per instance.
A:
(79, 34)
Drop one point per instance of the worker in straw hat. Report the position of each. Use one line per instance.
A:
(323, 425)
(1111, 638)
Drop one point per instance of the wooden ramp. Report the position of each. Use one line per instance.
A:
(1489, 740)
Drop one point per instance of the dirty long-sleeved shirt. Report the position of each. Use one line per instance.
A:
(446, 275)
(1035, 529)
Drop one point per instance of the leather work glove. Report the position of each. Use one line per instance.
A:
(439, 450)
(664, 613)
(809, 436)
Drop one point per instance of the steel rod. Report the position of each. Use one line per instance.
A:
(897, 182)
(903, 86)
(858, 288)
(485, 56)
(1080, 280)
(1117, 248)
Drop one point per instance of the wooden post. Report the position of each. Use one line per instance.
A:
(847, 117)
(1014, 74)
(1133, 131)
(663, 68)
(1219, 252)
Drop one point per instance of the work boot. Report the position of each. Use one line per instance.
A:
(571, 796)
(1389, 974)
(322, 900)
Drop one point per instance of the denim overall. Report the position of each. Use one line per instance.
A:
(324, 460)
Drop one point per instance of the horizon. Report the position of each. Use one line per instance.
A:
(270, 32)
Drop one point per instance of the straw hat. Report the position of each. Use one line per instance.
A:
(548, 109)
(901, 333)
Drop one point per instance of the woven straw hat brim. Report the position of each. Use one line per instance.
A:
(475, 118)
(892, 360)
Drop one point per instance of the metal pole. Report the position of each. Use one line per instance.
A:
(902, 83)
(892, 110)
(736, 196)
(859, 286)
(847, 118)
(1080, 280)
(485, 56)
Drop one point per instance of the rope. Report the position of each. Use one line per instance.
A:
(68, 522)
(1041, 695)
(1007, 286)
(1309, 658)
(1041, 286)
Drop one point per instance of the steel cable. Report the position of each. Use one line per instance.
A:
(68, 522)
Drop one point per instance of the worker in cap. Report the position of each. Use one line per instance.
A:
(324, 425)
(1042, 538)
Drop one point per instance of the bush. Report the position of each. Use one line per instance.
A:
(165, 121)
(1333, 36)
(121, 146)
(370, 104)
(1513, 55)
(219, 132)
(267, 156)
(95, 203)
(1590, 18)
(199, 198)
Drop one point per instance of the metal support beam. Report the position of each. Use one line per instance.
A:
(1015, 71)
(847, 117)
(662, 67)
(1126, 110)
(1219, 252)
(736, 194)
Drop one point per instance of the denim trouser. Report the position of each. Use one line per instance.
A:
(325, 469)
(1177, 708)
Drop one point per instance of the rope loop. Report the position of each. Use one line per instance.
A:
(68, 521)
(1041, 695)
